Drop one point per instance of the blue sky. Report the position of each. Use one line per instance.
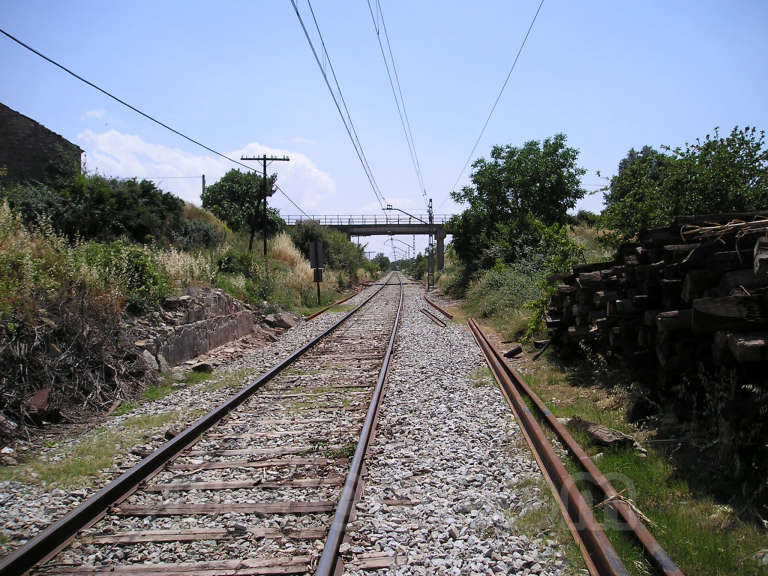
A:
(240, 77)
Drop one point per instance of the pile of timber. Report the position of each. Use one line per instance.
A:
(694, 292)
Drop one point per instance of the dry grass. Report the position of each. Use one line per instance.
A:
(282, 248)
(185, 269)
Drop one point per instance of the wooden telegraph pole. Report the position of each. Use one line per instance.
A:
(265, 193)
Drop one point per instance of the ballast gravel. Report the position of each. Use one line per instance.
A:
(445, 480)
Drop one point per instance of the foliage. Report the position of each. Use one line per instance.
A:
(237, 199)
(199, 229)
(128, 269)
(339, 253)
(416, 267)
(99, 208)
(506, 286)
(539, 181)
(59, 319)
(717, 174)
(382, 262)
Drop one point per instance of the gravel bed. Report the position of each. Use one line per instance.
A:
(445, 478)
(444, 484)
(29, 506)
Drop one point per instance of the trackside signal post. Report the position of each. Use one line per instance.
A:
(316, 262)
(265, 191)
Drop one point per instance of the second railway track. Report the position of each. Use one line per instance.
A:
(251, 488)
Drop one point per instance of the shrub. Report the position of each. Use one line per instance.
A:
(128, 269)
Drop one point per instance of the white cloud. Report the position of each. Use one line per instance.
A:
(113, 153)
(302, 140)
(98, 113)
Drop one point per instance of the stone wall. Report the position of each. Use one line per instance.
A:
(29, 151)
(191, 325)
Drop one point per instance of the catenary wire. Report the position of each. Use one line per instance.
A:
(496, 102)
(399, 102)
(346, 120)
(127, 105)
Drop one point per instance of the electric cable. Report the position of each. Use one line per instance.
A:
(496, 102)
(346, 120)
(127, 105)
(399, 102)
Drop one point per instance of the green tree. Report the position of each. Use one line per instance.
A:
(237, 199)
(382, 262)
(99, 208)
(716, 174)
(539, 181)
(339, 253)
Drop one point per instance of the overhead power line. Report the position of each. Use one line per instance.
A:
(495, 102)
(397, 92)
(127, 105)
(338, 100)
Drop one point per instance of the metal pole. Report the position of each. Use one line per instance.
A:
(264, 213)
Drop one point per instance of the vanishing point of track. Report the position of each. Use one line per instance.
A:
(253, 486)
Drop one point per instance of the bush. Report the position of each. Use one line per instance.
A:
(93, 207)
(713, 175)
(128, 269)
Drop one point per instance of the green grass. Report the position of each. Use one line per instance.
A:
(75, 466)
(193, 378)
(346, 450)
(228, 381)
(480, 377)
(701, 536)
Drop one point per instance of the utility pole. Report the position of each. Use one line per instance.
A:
(431, 257)
(265, 193)
(203, 185)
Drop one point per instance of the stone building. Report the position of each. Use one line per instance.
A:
(31, 152)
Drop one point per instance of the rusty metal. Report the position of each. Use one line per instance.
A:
(52, 539)
(328, 560)
(432, 317)
(653, 549)
(599, 554)
(337, 303)
(436, 307)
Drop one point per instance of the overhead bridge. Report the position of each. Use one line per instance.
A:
(383, 225)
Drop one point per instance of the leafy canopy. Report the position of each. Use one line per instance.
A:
(538, 182)
(237, 198)
(717, 174)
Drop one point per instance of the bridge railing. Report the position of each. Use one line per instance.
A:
(361, 219)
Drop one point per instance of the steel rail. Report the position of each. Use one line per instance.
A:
(52, 539)
(326, 566)
(432, 317)
(338, 302)
(429, 301)
(653, 549)
(599, 554)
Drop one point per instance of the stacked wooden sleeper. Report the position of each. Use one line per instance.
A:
(696, 290)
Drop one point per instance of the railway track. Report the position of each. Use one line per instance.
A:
(254, 487)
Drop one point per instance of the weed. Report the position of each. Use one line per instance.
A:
(480, 377)
(125, 408)
(229, 380)
(193, 378)
(346, 450)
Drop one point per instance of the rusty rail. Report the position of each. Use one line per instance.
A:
(429, 301)
(326, 566)
(599, 555)
(653, 549)
(51, 540)
(337, 303)
(432, 317)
